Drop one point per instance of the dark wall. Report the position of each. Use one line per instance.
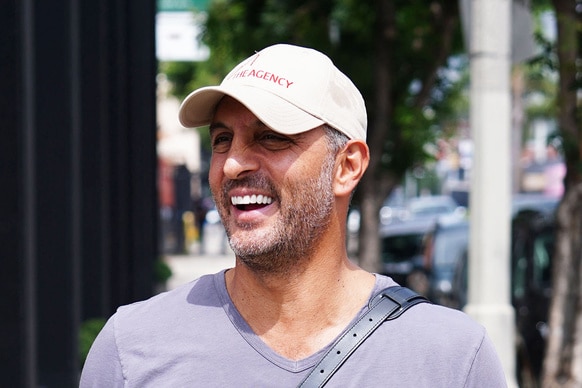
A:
(78, 204)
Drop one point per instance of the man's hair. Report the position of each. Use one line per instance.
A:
(335, 139)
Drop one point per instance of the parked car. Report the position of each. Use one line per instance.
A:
(533, 240)
(422, 252)
(431, 206)
(532, 247)
(445, 242)
(449, 239)
(401, 248)
(395, 209)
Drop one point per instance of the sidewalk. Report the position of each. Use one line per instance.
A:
(186, 268)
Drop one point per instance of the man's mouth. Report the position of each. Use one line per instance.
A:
(250, 202)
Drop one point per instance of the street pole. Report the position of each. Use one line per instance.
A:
(490, 120)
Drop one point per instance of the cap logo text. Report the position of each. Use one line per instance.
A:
(268, 76)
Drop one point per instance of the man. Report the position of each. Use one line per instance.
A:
(288, 136)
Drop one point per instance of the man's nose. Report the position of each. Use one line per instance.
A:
(240, 161)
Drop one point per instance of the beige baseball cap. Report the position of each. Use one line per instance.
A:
(291, 89)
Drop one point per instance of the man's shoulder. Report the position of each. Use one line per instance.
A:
(166, 305)
(437, 316)
(430, 345)
(430, 326)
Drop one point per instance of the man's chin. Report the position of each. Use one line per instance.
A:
(248, 242)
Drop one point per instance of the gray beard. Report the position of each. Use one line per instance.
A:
(301, 223)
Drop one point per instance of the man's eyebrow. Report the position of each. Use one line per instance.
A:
(214, 126)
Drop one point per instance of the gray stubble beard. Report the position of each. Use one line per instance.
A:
(288, 245)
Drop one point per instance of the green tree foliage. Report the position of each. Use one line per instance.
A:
(541, 71)
(396, 51)
(344, 30)
(87, 334)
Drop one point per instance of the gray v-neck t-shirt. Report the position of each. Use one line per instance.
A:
(193, 336)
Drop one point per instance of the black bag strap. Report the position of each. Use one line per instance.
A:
(388, 304)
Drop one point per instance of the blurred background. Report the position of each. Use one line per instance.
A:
(106, 198)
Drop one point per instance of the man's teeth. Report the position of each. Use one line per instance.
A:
(251, 199)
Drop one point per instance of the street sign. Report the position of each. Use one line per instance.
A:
(182, 5)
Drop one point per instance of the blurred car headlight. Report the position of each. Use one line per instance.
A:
(444, 286)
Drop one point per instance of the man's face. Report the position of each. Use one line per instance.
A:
(273, 191)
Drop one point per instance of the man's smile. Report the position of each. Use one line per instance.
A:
(250, 202)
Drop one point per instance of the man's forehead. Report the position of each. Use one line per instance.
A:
(254, 124)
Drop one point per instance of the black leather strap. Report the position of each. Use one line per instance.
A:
(388, 304)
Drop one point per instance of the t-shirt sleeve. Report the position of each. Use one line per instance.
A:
(486, 370)
(103, 366)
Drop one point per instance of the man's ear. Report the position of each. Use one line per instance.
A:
(352, 161)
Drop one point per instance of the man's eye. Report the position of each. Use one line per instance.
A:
(220, 143)
(275, 141)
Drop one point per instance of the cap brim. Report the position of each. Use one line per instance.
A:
(198, 108)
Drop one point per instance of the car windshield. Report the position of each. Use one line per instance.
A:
(401, 247)
(449, 247)
(430, 206)
(433, 210)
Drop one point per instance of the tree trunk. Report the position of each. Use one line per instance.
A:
(372, 187)
(377, 183)
(563, 355)
(563, 359)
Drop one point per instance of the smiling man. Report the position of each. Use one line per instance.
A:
(288, 135)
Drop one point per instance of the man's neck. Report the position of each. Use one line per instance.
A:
(300, 312)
